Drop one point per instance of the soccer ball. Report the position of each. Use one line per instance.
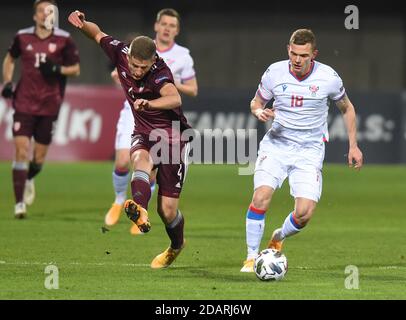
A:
(270, 265)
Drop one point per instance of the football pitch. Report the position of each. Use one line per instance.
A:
(359, 222)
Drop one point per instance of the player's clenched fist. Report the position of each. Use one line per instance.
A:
(76, 18)
(264, 114)
(141, 104)
(7, 91)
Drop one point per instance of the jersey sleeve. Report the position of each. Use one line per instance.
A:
(265, 86)
(336, 90)
(70, 53)
(14, 49)
(163, 77)
(188, 71)
(111, 47)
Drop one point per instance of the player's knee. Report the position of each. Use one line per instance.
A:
(122, 161)
(141, 160)
(21, 154)
(167, 211)
(40, 159)
(121, 165)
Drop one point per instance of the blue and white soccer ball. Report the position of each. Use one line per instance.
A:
(270, 265)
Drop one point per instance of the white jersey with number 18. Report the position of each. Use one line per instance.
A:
(301, 103)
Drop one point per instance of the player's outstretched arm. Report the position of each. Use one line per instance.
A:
(90, 29)
(259, 111)
(355, 157)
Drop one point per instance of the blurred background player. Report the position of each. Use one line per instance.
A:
(294, 146)
(149, 88)
(48, 55)
(178, 59)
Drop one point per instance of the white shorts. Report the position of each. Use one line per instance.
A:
(125, 127)
(301, 163)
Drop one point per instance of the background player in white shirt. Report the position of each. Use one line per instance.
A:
(178, 59)
(294, 146)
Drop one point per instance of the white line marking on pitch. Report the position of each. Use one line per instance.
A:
(32, 263)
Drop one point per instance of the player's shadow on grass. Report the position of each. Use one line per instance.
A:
(201, 272)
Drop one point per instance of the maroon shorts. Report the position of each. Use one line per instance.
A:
(39, 127)
(171, 161)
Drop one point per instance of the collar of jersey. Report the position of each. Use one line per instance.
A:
(305, 76)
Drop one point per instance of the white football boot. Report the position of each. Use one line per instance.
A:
(29, 192)
(20, 210)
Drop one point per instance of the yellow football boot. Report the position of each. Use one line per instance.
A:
(113, 214)
(248, 265)
(166, 258)
(138, 215)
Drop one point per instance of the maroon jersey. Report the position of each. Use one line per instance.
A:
(147, 88)
(34, 93)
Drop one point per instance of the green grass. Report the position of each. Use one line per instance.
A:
(360, 221)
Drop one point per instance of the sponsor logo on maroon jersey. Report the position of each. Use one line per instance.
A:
(161, 79)
(52, 47)
(115, 43)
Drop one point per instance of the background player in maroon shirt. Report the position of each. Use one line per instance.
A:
(149, 87)
(47, 55)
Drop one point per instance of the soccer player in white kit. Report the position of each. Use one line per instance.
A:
(294, 146)
(179, 60)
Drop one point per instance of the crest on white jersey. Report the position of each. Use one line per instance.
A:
(313, 89)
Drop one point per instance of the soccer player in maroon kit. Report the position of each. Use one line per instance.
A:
(149, 88)
(48, 55)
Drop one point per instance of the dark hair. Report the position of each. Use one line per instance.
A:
(168, 12)
(37, 2)
(303, 36)
(143, 48)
